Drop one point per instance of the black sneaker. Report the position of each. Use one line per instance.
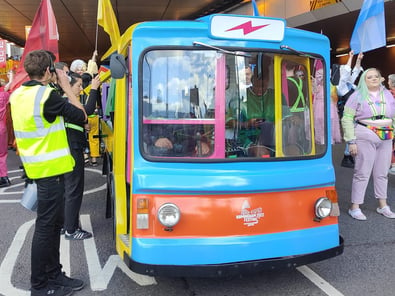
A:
(79, 234)
(348, 162)
(52, 291)
(64, 281)
(4, 182)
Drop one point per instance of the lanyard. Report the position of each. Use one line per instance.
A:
(373, 107)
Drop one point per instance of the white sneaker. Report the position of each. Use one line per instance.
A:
(386, 212)
(392, 170)
(357, 214)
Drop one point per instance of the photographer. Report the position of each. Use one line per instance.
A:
(75, 180)
(37, 112)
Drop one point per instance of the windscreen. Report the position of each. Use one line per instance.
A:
(205, 104)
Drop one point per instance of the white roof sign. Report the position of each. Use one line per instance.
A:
(247, 28)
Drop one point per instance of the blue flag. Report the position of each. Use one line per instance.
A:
(369, 31)
(255, 8)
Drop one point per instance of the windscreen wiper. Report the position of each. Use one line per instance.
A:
(236, 53)
(300, 53)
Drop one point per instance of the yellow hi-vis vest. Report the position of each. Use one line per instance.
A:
(42, 145)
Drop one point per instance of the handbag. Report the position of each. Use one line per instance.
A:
(29, 198)
(383, 132)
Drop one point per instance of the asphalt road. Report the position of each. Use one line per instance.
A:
(367, 266)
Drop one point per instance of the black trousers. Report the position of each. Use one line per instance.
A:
(74, 190)
(45, 262)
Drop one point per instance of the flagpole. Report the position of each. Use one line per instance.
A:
(97, 26)
(97, 30)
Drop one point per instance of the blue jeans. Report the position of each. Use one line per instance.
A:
(45, 261)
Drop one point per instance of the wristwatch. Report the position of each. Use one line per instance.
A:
(351, 142)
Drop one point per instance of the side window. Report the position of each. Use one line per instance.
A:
(318, 96)
(250, 110)
(297, 126)
(304, 130)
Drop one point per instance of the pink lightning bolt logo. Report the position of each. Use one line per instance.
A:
(246, 27)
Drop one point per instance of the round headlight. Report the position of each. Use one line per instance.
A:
(323, 207)
(169, 214)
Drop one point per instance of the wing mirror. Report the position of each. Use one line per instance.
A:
(118, 66)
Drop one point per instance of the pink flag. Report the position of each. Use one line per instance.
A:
(43, 35)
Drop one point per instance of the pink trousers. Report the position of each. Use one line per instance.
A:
(3, 149)
(373, 157)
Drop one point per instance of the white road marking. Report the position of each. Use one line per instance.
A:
(102, 187)
(327, 288)
(65, 255)
(7, 190)
(100, 277)
(7, 266)
(14, 171)
(10, 201)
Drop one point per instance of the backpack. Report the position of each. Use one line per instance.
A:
(342, 101)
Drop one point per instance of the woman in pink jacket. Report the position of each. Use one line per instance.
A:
(4, 99)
